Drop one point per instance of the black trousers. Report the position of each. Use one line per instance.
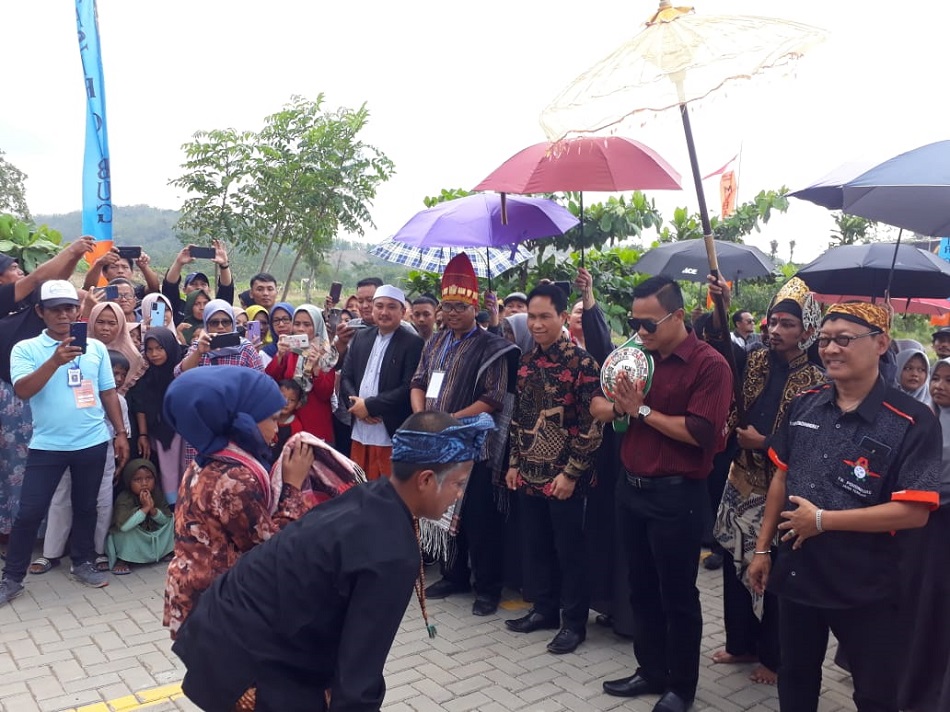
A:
(480, 538)
(870, 638)
(715, 484)
(662, 529)
(555, 575)
(44, 470)
(745, 633)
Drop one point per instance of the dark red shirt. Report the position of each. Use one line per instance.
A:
(694, 381)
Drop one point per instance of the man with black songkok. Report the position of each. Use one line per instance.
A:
(856, 460)
(318, 639)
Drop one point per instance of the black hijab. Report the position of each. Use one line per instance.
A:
(148, 393)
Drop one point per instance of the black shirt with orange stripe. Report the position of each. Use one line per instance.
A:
(887, 449)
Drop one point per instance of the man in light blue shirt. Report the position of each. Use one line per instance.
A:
(70, 390)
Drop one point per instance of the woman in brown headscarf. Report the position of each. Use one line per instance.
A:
(107, 323)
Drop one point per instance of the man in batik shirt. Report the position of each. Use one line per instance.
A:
(553, 441)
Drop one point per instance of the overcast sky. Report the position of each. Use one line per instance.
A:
(454, 89)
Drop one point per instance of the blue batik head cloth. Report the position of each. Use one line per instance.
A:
(458, 443)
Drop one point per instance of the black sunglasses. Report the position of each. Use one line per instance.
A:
(648, 325)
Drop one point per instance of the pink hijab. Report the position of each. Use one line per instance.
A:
(122, 343)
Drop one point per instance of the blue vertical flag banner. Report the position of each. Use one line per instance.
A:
(944, 248)
(96, 179)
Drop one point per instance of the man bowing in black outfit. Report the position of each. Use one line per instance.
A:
(305, 620)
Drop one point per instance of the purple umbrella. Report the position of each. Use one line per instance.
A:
(476, 221)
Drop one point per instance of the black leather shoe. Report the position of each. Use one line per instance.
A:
(532, 622)
(671, 702)
(631, 687)
(713, 562)
(604, 619)
(443, 588)
(567, 640)
(484, 606)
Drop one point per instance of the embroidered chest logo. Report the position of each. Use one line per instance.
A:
(861, 468)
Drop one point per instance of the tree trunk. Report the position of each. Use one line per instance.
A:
(270, 243)
(278, 229)
(290, 274)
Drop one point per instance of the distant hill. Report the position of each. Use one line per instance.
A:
(153, 229)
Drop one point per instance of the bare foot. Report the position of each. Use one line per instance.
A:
(723, 658)
(763, 675)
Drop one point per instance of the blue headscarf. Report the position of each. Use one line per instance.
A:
(210, 406)
(271, 348)
(458, 443)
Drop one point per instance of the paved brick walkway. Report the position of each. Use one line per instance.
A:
(67, 647)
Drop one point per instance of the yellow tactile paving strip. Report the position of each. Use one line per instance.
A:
(139, 701)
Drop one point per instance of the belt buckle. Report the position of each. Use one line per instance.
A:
(636, 482)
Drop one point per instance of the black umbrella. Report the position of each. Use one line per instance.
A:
(865, 270)
(688, 260)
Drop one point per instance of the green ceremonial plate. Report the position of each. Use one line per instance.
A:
(632, 359)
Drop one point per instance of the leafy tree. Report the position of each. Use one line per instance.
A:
(218, 165)
(12, 190)
(608, 223)
(27, 244)
(773, 249)
(746, 219)
(445, 195)
(851, 230)
(290, 187)
(791, 251)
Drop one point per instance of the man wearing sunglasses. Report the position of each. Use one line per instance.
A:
(855, 460)
(667, 452)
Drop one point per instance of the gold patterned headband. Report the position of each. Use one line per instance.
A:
(870, 315)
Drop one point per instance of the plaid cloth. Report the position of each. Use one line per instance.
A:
(489, 262)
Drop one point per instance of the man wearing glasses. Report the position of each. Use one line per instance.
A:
(855, 460)
(111, 266)
(667, 452)
(465, 371)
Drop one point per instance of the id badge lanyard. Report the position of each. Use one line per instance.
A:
(74, 374)
(82, 390)
(438, 375)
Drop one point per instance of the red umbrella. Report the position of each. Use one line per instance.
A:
(602, 163)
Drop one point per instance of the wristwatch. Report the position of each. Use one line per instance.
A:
(642, 412)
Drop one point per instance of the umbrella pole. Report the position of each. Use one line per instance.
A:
(700, 194)
(582, 226)
(890, 275)
(488, 266)
(713, 262)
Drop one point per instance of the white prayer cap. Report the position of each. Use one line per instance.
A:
(388, 290)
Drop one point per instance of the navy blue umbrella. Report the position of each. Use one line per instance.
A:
(910, 191)
(868, 270)
(828, 191)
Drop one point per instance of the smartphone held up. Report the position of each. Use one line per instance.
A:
(79, 331)
(201, 253)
